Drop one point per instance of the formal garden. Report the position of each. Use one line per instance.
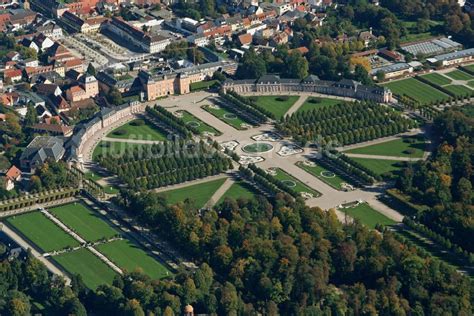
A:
(312, 103)
(409, 147)
(277, 105)
(366, 215)
(138, 129)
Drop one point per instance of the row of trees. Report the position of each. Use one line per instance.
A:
(445, 182)
(283, 257)
(245, 110)
(174, 123)
(349, 168)
(173, 165)
(267, 181)
(344, 123)
(247, 101)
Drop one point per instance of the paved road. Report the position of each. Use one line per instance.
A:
(25, 245)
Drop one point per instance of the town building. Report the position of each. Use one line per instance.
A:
(453, 58)
(393, 70)
(41, 149)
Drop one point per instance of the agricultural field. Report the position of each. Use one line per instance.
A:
(84, 221)
(93, 271)
(459, 90)
(437, 79)
(200, 193)
(113, 148)
(240, 189)
(129, 256)
(294, 183)
(367, 215)
(412, 147)
(278, 105)
(459, 75)
(191, 120)
(416, 90)
(42, 232)
(315, 103)
(380, 166)
(226, 116)
(324, 175)
(138, 129)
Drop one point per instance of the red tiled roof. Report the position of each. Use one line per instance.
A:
(13, 173)
(245, 39)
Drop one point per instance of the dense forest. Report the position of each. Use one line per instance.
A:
(444, 183)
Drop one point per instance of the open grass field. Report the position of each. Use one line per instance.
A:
(379, 166)
(276, 106)
(129, 256)
(113, 148)
(437, 79)
(93, 271)
(294, 183)
(417, 90)
(459, 91)
(42, 232)
(317, 103)
(226, 116)
(202, 127)
(412, 147)
(237, 190)
(459, 75)
(202, 85)
(132, 130)
(84, 221)
(199, 193)
(318, 171)
(367, 215)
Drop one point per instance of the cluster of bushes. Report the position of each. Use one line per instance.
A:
(245, 109)
(443, 241)
(174, 123)
(270, 182)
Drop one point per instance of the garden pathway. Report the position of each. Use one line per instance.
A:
(296, 105)
(220, 192)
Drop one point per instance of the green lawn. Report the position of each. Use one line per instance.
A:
(401, 147)
(459, 75)
(379, 166)
(234, 120)
(276, 106)
(93, 271)
(42, 232)
(294, 183)
(315, 103)
(367, 215)
(437, 79)
(316, 170)
(107, 189)
(133, 131)
(84, 221)
(199, 193)
(237, 190)
(470, 67)
(471, 84)
(202, 127)
(129, 256)
(417, 90)
(459, 91)
(113, 148)
(201, 85)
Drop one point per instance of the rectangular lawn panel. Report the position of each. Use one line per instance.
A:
(84, 221)
(367, 215)
(129, 256)
(298, 185)
(417, 90)
(318, 171)
(317, 103)
(42, 232)
(437, 79)
(131, 130)
(201, 85)
(93, 271)
(199, 193)
(459, 90)
(226, 116)
(459, 75)
(379, 166)
(278, 105)
(237, 190)
(412, 147)
(202, 127)
(114, 148)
